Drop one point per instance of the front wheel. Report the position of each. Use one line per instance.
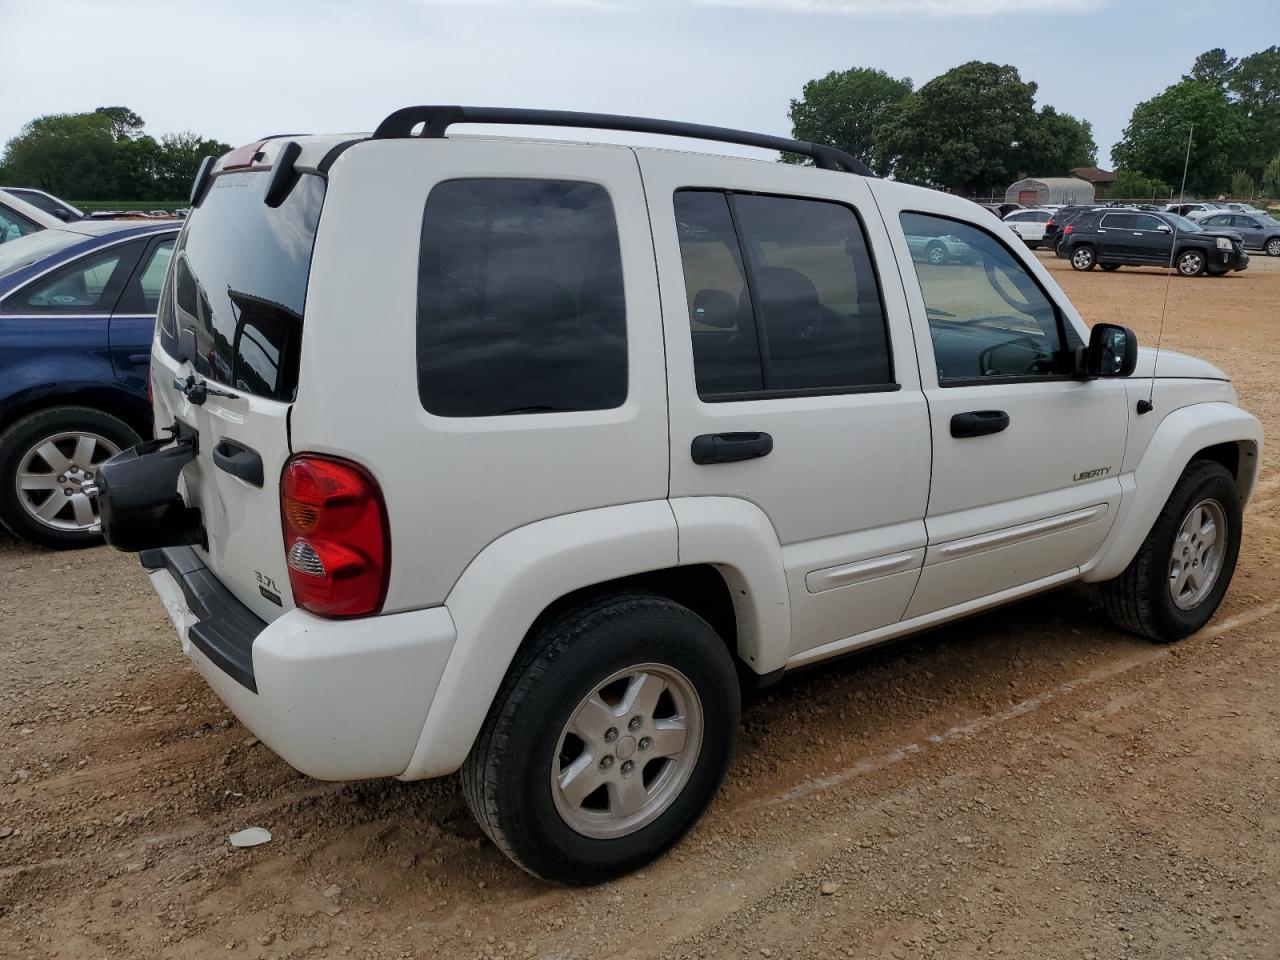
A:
(1182, 570)
(936, 253)
(1083, 258)
(1191, 263)
(608, 738)
(47, 461)
(1273, 247)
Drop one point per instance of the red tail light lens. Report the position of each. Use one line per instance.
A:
(1068, 228)
(335, 536)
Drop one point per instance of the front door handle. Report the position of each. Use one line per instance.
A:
(978, 423)
(239, 461)
(730, 447)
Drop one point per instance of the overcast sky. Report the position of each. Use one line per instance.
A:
(242, 69)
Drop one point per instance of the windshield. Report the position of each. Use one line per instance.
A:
(1182, 224)
(24, 251)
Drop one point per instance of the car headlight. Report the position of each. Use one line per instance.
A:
(1224, 243)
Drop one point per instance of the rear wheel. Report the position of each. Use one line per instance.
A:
(611, 733)
(1083, 257)
(47, 459)
(1273, 247)
(1191, 263)
(936, 253)
(1182, 570)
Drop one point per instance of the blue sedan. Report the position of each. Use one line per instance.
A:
(77, 311)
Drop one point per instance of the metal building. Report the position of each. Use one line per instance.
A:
(1037, 191)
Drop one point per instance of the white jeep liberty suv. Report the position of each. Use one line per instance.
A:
(522, 458)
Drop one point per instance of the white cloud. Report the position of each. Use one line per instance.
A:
(959, 8)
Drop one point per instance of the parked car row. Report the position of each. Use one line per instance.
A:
(1112, 236)
(25, 210)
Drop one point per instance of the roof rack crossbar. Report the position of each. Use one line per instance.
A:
(437, 119)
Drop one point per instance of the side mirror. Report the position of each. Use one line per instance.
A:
(1112, 351)
(1165, 228)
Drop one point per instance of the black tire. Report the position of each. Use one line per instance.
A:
(1109, 266)
(1140, 600)
(506, 779)
(1272, 246)
(1191, 263)
(27, 433)
(1083, 257)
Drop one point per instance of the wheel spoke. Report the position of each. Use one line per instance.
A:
(83, 510)
(592, 719)
(49, 509)
(580, 779)
(38, 481)
(669, 738)
(642, 695)
(85, 448)
(627, 795)
(54, 457)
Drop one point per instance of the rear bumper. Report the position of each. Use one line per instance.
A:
(336, 699)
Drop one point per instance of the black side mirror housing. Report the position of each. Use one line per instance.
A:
(1112, 351)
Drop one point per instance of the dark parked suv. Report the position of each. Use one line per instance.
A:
(1113, 238)
(1057, 223)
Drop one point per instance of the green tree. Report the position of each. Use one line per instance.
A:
(70, 154)
(1255, 85)
(1055, 143)
(133, 167)
(1213, 67)
(1243, 186)
(178, 158)
(975, 129)
(1155, 141)
(1134, 185)
(843, 109)
(1271, 178)
(125, 124)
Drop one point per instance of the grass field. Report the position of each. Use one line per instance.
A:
(89, 206)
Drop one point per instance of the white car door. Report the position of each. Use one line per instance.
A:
(1026, 458)
(792, 378)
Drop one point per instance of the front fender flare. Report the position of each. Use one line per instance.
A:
(1178, 438)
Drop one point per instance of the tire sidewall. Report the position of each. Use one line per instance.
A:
(1272, 247)
(19, 438)
(686, 643)
(1085, 252)
(1201, 260)
(1208, 481)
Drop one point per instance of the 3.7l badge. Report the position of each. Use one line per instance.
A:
(1091, 474)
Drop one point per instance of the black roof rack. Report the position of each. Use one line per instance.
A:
(436, 120)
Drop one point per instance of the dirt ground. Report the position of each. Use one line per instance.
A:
(1027, 784)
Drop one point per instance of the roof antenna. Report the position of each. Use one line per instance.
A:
(1147, 405)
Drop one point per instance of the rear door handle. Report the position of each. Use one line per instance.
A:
(730, 447)
(239, 461)
(978, 423)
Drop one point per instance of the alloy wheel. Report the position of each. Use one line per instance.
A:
(1198, 550)
(627, 751)
(1190, 263)
(1273, 247)
(52, 476)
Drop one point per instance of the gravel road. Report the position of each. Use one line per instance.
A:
(1027, 784)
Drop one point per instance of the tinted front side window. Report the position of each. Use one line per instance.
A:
(805, 313)
(987, 317)
(520, 299)
(240, 282)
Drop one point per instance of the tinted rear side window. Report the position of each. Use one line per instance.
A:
(520, 299)
(240, 283)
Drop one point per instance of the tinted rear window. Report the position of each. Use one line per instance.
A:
(239, 283)
(520, 299)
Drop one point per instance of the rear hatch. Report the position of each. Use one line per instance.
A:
(231, 318)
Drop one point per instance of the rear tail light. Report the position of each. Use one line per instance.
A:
(335, 536)
(1068, 228)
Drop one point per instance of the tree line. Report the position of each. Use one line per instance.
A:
(976, 128)
(104, 155)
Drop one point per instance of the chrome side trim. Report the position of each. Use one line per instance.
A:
(817, 581)
(1025, 531)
